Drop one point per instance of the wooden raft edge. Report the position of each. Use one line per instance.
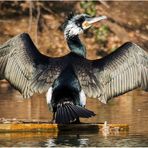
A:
(16, 127)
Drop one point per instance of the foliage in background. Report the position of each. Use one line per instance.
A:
(101, 34)
(89, 7)
(43, 20)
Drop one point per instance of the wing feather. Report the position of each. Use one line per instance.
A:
(26, 68)
(123, 70)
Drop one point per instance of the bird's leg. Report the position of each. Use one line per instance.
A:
(77, 121)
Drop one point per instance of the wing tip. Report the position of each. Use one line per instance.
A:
(103, 100)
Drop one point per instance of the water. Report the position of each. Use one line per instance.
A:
(131, 109)
(70, 139)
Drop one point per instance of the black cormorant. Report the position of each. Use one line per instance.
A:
(69, 79)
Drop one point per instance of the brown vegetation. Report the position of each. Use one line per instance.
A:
(43, 21)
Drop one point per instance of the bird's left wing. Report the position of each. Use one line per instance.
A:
(121, 71)
(26, 68)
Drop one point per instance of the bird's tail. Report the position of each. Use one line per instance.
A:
(68, 112)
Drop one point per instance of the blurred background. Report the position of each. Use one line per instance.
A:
(127, 21)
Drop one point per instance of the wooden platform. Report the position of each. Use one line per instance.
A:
(36, 127)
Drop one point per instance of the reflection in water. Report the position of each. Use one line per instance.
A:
(67, 140)
(131, 109)
(38, 139)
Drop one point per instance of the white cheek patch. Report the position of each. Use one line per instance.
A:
(49, 95)
(75, 31)
(72, 30)
(82, 98)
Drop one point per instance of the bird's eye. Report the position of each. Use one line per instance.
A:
(78, 24)
(80, 21)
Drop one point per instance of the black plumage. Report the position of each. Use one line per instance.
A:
(72, 76)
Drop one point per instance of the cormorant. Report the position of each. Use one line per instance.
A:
(69, 79)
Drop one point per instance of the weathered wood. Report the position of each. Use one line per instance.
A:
(21, 127)
(20, 135)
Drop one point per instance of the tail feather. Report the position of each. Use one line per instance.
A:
(67, 113)
(58, 113)
(62, 115)
(71, 112)
(70, 116)
(81, 112)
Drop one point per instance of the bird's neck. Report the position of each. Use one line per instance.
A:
(76, 46)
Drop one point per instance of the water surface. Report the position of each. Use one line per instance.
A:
(131, 108)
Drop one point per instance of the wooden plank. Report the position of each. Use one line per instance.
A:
(15, 135)
(20, 127)
(27, 127)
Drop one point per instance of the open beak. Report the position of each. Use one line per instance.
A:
(90, 21)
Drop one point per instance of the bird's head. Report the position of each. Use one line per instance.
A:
(77, 24)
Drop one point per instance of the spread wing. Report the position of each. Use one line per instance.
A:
(26, 68)
(121, 71)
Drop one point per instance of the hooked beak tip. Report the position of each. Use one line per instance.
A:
(97, 19)
(104, 17)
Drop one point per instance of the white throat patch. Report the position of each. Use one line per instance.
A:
(72, 30)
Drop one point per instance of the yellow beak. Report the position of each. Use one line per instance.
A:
(90, 21)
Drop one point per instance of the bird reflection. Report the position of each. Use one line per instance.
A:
(68, 140)
(62, 138)
(82, 138)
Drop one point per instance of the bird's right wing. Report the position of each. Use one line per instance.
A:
(26, 68)
(121, 71)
